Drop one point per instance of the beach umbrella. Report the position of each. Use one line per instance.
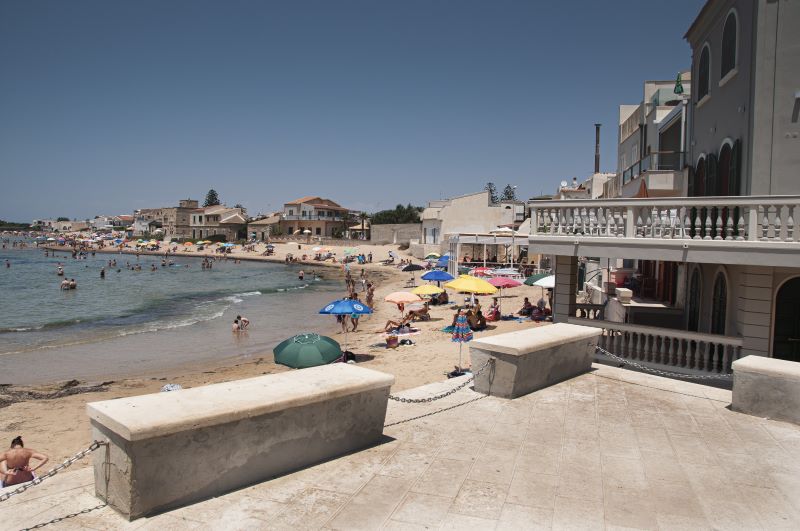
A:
(411, 268)
(462, 333)
(307, 350)
(346, 307)
(188, 244)
(531, 280)
(438, 276)
(546, 282)
(504, 282)
(315, 249)
(470, 284)
(401, 297)
(482, 271)
(51, 239)
(427, 289)
(432, 255)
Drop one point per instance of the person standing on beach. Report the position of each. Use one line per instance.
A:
(15, 464)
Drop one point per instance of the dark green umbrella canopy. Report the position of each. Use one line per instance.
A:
(531, 280)
(307, 350)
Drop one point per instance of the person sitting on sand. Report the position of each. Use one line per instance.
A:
(15, 464)
(391, 325)
(493, 314)
(423, 314)
(476, 320)
(443, 298)
(527, 308)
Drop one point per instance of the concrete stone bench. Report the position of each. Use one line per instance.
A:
(172, 449)
(532, 359)
(767, 387)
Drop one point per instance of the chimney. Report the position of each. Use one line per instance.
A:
(597, 148)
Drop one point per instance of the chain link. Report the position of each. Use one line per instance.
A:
(65, 517)
(446, 393)
(668, 374)
(435, 412)
(69, 462)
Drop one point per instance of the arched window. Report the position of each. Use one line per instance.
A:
(703, 71)
(729, 38)
(725, 178)
(719, 305)
(693, 304)
(699, 184)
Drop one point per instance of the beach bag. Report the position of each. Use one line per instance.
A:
(392, 341)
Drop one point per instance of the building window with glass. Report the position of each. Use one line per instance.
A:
(729, 38)
(703, 70)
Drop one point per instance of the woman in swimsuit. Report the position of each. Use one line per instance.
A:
(15, 464)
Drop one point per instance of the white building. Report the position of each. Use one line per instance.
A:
(729, 242)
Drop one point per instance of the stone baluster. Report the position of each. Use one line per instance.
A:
(740, 225)
(777, 224)
(719, 227)
(683, 352)
(698, 225)
(655, 229)
(789, 223)
(663, 352)
(612, 225)
(765, 224)
(686, 224)
(729, 225)
(593, 221)
(707, 227)
(714, 357)
(726, 358)
(562, 220)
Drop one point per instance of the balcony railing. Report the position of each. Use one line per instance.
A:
(295, 217)
(678, 350)
(750, 218)
(657, 160)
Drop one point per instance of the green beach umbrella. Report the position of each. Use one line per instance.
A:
(531, 280)
(307, 350)
(678, 85)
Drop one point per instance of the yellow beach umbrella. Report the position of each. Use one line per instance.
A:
(427, 289)
(470, 284)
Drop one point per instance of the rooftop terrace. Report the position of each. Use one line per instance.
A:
(609, 449)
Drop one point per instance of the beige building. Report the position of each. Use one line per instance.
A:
(322, 217)
(218, 220)
(168, 222)
(465, 214)
(262, 229)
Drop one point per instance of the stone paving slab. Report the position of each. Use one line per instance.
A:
(611, 449)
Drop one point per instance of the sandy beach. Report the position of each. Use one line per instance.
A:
(59, 427)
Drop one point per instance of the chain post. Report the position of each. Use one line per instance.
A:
(446, 393)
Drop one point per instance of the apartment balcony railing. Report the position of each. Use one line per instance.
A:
(657, 160)
(748, 218)
(676, 350)
(312, 218)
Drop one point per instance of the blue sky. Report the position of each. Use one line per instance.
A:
(108, 106)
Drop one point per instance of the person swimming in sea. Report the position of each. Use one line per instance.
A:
(15, 464)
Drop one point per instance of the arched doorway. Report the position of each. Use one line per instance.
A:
(693, 304)
(719, 305)
(786, 340)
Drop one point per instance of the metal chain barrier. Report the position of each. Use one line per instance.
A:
(65, 517)
(446, 393)
(69, 462)
(434, 412)
(668, 374)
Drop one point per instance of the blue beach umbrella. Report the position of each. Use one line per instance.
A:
(346, 307)
(438, 276)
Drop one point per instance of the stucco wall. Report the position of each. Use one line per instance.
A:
(399, 233)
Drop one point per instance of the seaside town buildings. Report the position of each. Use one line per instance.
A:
(218, 220)
(701, 266)
(321, 217)
(168, 222)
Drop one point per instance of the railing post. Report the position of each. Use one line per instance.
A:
(535, 220)
(630, 223)
(752, 223)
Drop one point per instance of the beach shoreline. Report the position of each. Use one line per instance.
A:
(59, 426)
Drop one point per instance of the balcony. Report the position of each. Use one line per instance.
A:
(666, 161)
(723, 230)
(312, 218)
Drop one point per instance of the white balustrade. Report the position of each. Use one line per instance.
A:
(679, 350)
(748, 218)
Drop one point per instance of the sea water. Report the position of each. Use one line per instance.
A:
(141, 321)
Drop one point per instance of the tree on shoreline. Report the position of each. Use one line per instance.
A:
(212, 198)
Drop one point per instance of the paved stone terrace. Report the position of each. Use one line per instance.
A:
(611, 449)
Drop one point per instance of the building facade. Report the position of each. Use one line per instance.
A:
(218, 220)
(714, 270)
(321, 217)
